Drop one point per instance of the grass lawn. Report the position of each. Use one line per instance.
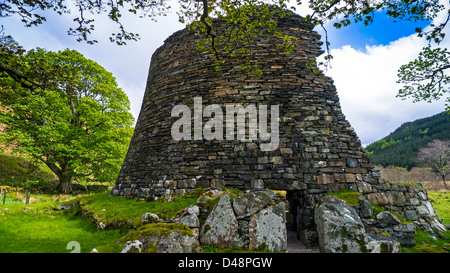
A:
(37, 228)
(108, 208)
(34, 228)
(426, 242)
(441, 203)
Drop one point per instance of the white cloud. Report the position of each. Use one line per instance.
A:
(367, 88)
(366, 84)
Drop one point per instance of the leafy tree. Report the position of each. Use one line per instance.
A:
(437, 156)
(424, 78)
(65, 111)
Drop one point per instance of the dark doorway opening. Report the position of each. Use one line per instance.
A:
(302, 236)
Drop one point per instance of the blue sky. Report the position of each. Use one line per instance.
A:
(382, 31)
(364, 68)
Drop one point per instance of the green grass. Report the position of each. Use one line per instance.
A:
(350, 197)
(15, 170)
(426, 242)
(37, 228)
(109, 208)
(34, 228)
(441, 203)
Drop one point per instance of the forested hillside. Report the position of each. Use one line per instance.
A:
(401, 146)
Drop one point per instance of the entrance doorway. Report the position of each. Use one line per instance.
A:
(302, 235)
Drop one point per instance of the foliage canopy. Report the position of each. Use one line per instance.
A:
(65, 111)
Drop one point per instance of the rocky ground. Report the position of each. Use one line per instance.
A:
(296, 246)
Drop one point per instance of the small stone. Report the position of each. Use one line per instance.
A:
(132, 247)
(386, 218)
(149, 217)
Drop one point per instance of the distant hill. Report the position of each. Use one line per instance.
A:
(400, 147)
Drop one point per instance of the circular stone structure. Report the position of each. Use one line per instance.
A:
(314, 151)
(317, 148)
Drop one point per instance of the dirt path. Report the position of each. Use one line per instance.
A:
(295, 246)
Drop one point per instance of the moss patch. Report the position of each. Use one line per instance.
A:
(430, 249)
(104, 207)
(350, 197)
(154, 232)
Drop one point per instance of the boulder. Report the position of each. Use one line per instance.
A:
(382, 244)
(366, 209)
(210, 194)
(221, 227)
(249, 203)
(177, 242)
(131, 247)
(339, 228)
(191, 220)
(149, 217)
(67, 206)
(403, 233)
(386, 219)
(161, 238)
(190, 217)
(267, 229)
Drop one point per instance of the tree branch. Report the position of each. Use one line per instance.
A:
(209, 29)
(18, 77)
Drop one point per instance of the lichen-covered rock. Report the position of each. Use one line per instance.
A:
(190, 217)
(339, 228)
(132, 247)
(386, 219)
(149, 217)
(178, 243)
(426, 209)
(163, 238)
(221, 227)
(403, 233)
(205, 198)
(191, 220)
(249, 203)
(267, 229)
(382, 244)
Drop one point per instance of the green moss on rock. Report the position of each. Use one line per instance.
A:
(350, 197)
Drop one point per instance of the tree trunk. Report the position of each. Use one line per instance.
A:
(445, 182)
(64, 175)
(65, 184)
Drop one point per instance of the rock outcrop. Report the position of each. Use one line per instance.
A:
(221, 227)
(255, 220)
(340, 230)
(267, 229)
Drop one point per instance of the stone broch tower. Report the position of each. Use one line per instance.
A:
(318, 150)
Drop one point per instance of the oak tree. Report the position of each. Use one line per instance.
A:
(65, 111)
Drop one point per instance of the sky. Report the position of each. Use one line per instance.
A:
(364, 66)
